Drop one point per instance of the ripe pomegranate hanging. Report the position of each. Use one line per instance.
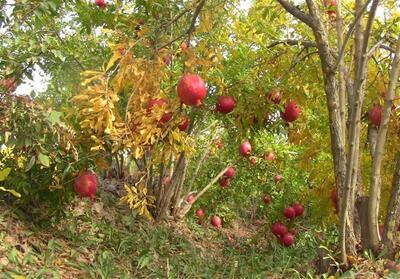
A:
(230, 172)
(245, 148)
(225, 104)
(101, 3)
(375, 115)
(292, 112)
(184, 124)
(192, 90)
(159, 102)
(85, 184)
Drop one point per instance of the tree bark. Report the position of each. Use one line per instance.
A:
(375, 189)
(393, 212)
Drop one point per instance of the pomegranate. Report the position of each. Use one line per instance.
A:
(288, 239)
(289, 212)
(200, 213)
(298, 208)
(279, 229)
(85, 185)
(168, 59)
(122, 50)
(253, 161)
(218, 143)
(245, 148)
(159, 102)
(334, 199)
(278, 178)
(270, 156)
(184, 124)
(184, 46)
(292, 112)
(225, 104)
(101, 3)
(167, 180)
(230, 172)
(375, 115)
(216, 221)
(190, 198)
(223, 182)
(381, 230)
(192, 90)
(390, 265)
(267, 199)
(330, 4)
(275, 96)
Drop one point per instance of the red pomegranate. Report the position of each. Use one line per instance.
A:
(298, 208)
(278, 178)
(245, 148)
(230, 172)
(216, 221)
(279, 229)
(159, 102)
(184, 124)
(223, 182)
(381, 230)
(85, 185)
(225, 104)
(288, 239)
(101, 3)
(200, 213)
(192, 90)
(289, 212)
(270, 156)
(330, 3)
(190, 198)
(253, 161)
(375, 115)
(184, 46)
(292, 112)
(390, 265)
(267, 199)
(334, 199)
(218, 143)
(275, 96)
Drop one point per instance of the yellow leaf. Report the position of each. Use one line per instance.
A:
(13, 192)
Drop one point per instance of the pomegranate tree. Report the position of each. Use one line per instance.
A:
(225, 104)
(192, 90)
(85, 185)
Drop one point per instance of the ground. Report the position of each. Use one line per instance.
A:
(96, 239)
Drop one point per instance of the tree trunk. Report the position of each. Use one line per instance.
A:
(393, 212)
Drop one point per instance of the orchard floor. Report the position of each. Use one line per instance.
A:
(97, 239)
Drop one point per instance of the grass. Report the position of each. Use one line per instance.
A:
(101, 240)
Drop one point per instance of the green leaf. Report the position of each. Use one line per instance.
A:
(44, 159)
(54, 117)
(30, 164)
(4, 173)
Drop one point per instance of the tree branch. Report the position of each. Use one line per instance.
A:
(296, 12)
